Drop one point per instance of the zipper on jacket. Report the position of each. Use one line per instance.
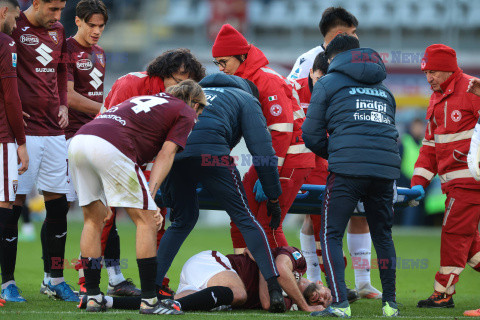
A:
(445, 115)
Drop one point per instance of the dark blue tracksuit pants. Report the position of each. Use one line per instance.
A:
(341, 196)
(225, 185)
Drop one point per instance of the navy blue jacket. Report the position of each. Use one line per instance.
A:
(358, 112)
(232, 113)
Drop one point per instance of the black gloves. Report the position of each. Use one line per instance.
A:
(273, 209)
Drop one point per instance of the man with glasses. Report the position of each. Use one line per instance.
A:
(168, 69)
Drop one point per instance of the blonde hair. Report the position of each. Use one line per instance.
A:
(189, 91)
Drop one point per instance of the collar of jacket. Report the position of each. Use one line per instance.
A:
(448, 87)
(255, 60)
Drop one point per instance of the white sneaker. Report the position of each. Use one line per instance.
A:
(367, 291)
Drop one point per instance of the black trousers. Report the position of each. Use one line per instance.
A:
(341, 196)
(223, 181)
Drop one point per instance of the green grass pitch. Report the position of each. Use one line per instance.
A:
(413, 283)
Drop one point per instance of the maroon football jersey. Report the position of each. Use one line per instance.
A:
(139, 126)
(40, 52)
(8, 64)
(86, 68)
(248, 270)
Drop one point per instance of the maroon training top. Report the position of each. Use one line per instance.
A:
(86, 68)
(11, 123)
(139, 126)
(248, 270)
(42, 75)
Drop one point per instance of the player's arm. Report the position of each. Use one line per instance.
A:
(13, 110)
(288, 282)
(80, 103)
(315, 126)
(162, 165)
(263, 292)
(426, 165)
(62, 76)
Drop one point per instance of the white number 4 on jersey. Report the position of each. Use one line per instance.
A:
(145, 103)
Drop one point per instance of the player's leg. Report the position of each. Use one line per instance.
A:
(379, 210)
(308, 245)
(341, 196)
(27, 233)
(224, 183)
(181, 185)
(8, 222)
(117, 284)
(458, 234)
(474, 253)
(249, 180)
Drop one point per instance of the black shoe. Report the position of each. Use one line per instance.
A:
(124, 289)
(437, 300)
(352, 295)
(277, 303)
(166, 306)
(83, 301)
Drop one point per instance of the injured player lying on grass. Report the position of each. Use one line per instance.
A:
(210, 280)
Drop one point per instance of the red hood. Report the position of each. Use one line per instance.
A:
(255, 60)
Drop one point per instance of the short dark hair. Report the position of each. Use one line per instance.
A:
(334, 17)
(171, 61)
(254, 89)
(320, 63)
(13, 3)
(342, 42)
(87, 8)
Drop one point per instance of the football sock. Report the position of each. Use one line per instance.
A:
(109, 303)
(126, 303)
(8, 242)
(92, 269)
(115, 275)
(43, 239)
(56, 230)
(147, 269)
(46, 277)
(309, 250)
(25, 214)
(57, 281)
(360, 247)
(6, 284)
(207, 299)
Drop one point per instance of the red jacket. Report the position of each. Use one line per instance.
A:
(132, 85)
(319, 174)
(281, 109)
(452, 115)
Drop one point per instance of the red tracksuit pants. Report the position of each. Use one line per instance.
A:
(460, 240)
(291, 180)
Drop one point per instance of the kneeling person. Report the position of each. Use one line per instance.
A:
(129, 134)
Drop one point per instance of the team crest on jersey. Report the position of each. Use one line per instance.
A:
(276, 110)
(456, 115)
(101, 59)
(14, 59)
(15, 185)
(54, 36)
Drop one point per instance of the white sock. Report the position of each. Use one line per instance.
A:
(309, 251)
(360, 247)
(109, 302)
(28, 228)
(97, 298)
(56, 281)
(46, 278)
(80, 271)
(115, 275)
(6, 284)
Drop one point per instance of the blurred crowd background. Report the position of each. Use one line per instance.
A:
(139, 30)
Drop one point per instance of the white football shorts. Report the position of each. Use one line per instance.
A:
(8, 172)
(47, 168)
(71, 194)
(200, 268)
(102, 172)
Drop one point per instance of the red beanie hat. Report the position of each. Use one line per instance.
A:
(439, 57)
(229, 42)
